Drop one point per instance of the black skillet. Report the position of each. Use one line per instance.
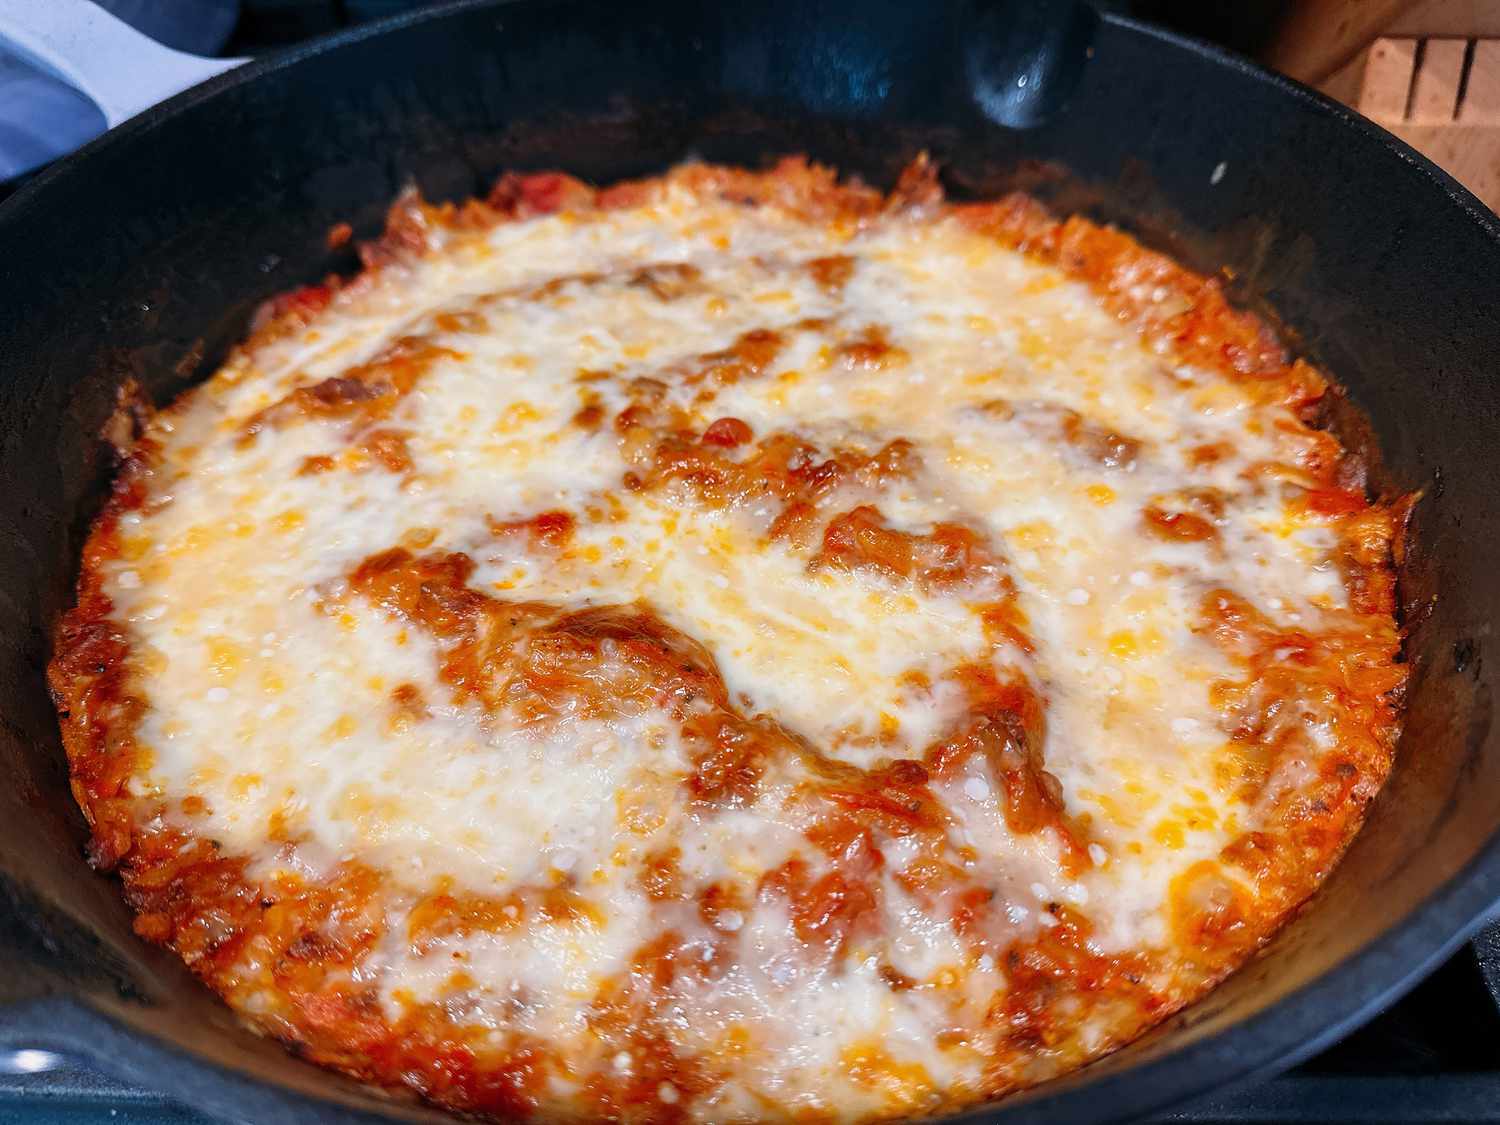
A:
(144, 255)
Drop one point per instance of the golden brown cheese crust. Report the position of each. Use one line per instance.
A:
(280, 951)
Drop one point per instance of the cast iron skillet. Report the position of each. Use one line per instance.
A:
(144, 255)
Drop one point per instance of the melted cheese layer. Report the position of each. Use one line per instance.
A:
(826, 953)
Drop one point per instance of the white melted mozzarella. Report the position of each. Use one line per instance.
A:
(269, 687)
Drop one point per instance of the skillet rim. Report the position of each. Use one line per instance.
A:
(1290, 1030)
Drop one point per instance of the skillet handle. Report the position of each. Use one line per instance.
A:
(1024, 58)
(121, 70)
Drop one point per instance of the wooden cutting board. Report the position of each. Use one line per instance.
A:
(1427, 71)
